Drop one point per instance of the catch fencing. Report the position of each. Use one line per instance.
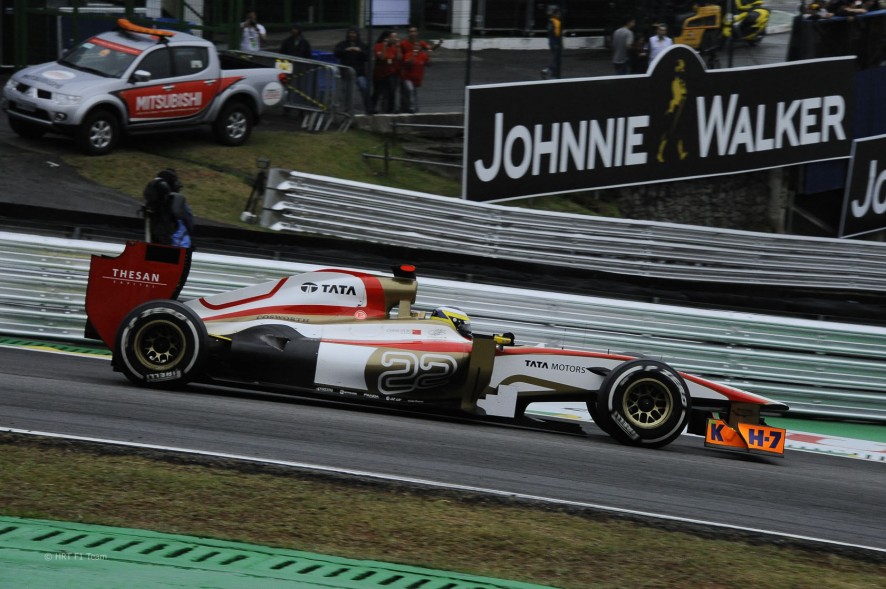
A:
(819, 368)
(306, 203)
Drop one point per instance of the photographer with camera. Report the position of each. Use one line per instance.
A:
(386, 72)
(251, 33)
(168, 218)
(416, 56)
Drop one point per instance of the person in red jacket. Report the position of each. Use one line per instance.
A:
(386, 72)
(416, 55)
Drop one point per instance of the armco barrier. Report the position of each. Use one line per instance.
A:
(307, 203)
(819, 368)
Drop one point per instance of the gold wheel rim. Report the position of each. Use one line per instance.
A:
(647, 404)
(160, 345)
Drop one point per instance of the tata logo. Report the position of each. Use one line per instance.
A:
(555, 366)
(342, 289)
(874, 196)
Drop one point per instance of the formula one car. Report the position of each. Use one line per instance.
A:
(356, 335)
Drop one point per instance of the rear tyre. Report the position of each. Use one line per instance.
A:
(99, 133)
(644, 403)
(26, 129)
(234, 124)
(161, 344)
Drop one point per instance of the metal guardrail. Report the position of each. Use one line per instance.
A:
(388, 158)
(819, 368)
(323, 92)
(306, 203)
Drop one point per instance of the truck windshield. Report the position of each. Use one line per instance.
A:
(101, 57)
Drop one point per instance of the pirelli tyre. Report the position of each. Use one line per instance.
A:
(161, 344)
(643, 403)
(234, 124)
(607, 425)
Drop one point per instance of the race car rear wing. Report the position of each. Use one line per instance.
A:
(143, 272)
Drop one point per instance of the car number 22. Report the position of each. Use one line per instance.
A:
(406, 372)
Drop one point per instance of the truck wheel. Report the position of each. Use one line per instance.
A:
(99, 132)
(234, 125)
(26, 129)
(161, 344)
(644, 403)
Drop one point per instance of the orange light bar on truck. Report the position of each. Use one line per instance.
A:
(128, 26)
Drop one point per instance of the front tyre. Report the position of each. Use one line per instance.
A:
(99, 133)
(234, 125)
(644, 403)
(605, 424)
(161, 344)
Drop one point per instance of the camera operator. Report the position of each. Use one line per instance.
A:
(251, 33)
(386, 72)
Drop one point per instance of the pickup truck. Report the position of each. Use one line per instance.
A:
(136, 80)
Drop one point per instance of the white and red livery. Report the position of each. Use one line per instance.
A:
(356, 335)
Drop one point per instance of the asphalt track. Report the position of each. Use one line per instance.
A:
(809, 495)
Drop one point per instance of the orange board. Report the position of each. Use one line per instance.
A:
(756, 439)
(762, 438)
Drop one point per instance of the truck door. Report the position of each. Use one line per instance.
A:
(181, 86)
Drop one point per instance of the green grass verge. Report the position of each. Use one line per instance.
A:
(498, 537)
(218, 180)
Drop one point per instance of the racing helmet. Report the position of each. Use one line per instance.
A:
(456, 317)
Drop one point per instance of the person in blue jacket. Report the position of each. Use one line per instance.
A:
(168, 218)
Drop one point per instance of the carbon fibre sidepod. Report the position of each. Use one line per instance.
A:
(143, 272)
(273, 354)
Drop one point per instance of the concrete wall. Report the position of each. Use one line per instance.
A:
(754, 201)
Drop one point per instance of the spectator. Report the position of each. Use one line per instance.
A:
(354, 53)
(816, 11)
(301, 84)
(658, 42)
(555, 44)
(416, 56)
(622, 41)
(638, 55)
(251, 33)
(168, 218)
(295, 44)
(386, 74)
(848, 8)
